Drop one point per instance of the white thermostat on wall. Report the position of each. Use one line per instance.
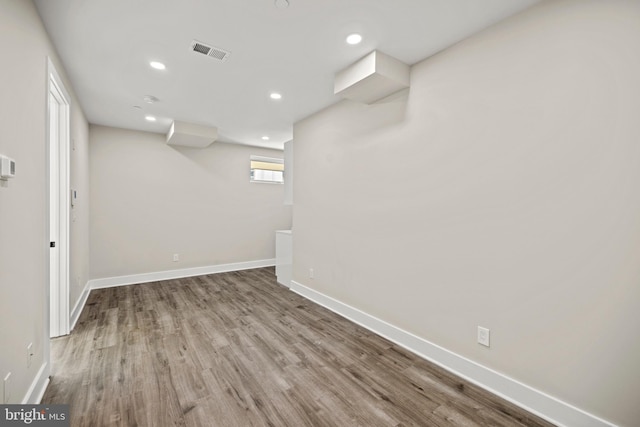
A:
(7, 167)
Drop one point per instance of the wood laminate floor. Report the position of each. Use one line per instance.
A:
(237, 349)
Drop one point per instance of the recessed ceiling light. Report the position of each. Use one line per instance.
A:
(138, 107)
(354, 38)
(150, 99)
(265, 138)
(275, 95)
(150, 118)
(157, 65)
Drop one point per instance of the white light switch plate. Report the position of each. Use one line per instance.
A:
(483, 336)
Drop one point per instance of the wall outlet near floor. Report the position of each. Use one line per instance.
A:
(29, 354)
(6, 387)
(483, 336)
(311, 273)
(176, 257)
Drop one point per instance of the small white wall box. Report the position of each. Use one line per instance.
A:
(7, 168)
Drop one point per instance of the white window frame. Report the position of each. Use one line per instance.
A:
(262, 159)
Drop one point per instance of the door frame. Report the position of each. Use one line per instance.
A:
(58, 293)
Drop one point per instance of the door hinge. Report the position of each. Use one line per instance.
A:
(52, 244)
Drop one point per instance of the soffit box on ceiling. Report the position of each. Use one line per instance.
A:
(191, 135)
(372, 78)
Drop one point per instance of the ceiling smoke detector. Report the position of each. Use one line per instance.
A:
(282, 4)
(150, 99)
(208, 50)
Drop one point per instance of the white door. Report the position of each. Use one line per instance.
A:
(54, 215)
(58, 202)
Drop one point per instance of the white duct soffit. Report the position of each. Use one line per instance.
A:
(372, 78)
(191, 135)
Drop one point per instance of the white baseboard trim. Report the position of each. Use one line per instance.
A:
(534, 401)
(109, 282)
(38, 386)
(77, 309)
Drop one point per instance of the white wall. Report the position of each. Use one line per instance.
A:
(150, 200)
(24, 253)
(503, 190)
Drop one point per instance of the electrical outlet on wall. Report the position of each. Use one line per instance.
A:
(483, 336)
(311, 273)
(176, 257)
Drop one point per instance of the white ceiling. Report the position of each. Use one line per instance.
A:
(106, 47)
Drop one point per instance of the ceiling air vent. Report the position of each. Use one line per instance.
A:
(214, 52)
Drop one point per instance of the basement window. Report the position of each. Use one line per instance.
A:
(267, 170)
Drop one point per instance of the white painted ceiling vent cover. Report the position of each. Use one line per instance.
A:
(214, 52)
